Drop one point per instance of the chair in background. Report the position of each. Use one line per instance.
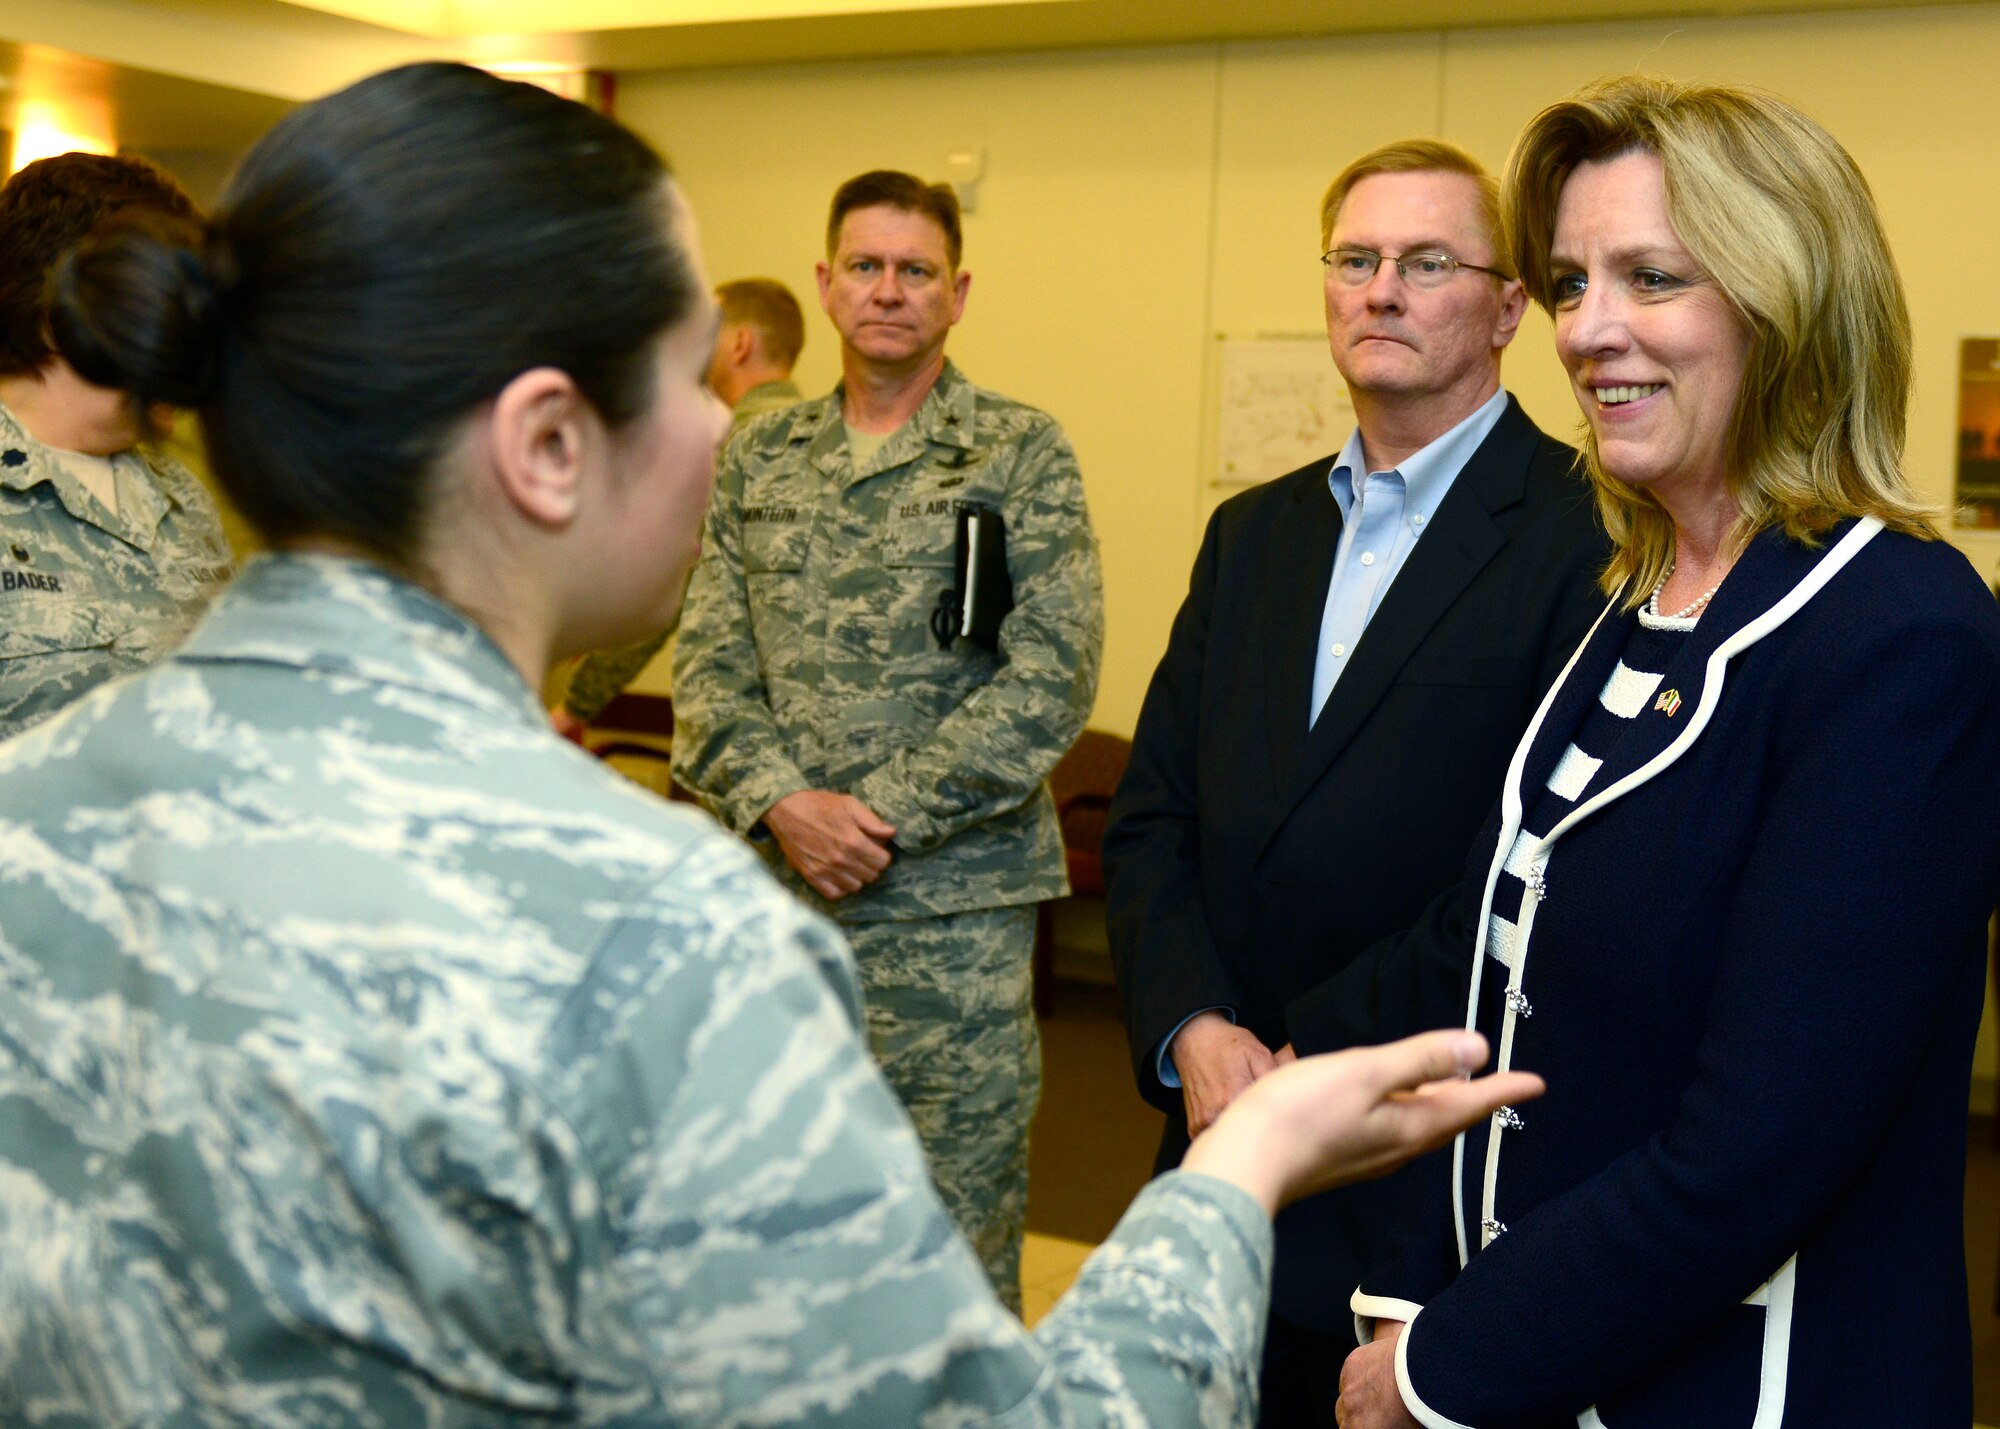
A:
(1083, 782)
(639, 729)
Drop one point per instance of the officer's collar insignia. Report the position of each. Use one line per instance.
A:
(13, 456)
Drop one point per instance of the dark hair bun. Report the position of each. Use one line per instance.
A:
(138, 309)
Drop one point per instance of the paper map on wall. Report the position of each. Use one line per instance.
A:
(1283, 404)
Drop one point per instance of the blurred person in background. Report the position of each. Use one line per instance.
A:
(763, 332)
(109, 549)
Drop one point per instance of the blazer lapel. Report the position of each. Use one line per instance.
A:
(1462, 539)
(1768, 571)
(1291, 600)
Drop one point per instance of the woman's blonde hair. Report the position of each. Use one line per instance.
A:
(1777, 214)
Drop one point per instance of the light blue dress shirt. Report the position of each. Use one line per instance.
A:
(1383, 514)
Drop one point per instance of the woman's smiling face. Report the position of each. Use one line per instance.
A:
(1655, 352)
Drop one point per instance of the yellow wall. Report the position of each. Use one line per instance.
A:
(1137, 203)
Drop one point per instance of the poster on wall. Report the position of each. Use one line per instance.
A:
(1282, 404)
(1978, 500)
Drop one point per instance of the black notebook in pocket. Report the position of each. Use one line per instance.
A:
(983, 591)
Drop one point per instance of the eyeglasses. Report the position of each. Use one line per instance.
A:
(1356, 266)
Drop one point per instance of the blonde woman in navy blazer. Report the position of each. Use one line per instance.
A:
(1733, 902)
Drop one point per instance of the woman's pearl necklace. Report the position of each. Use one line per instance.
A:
(1653, 600)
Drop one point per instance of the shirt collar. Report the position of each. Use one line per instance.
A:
(143, 501)
(776, 387)
(1427, 474)
(25, 463)
(945, 417)
(349, 617)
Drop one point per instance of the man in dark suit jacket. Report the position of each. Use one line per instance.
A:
(1298, 789)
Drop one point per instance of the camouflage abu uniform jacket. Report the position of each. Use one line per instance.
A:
(806, 658)
(369, 1056)
(85, 595)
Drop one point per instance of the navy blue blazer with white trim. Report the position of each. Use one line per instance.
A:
(1754, 982)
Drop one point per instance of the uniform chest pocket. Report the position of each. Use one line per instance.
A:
(49, 615)
(775, 546)
(927, 544)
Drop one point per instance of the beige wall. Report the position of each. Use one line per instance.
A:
(1137, 203)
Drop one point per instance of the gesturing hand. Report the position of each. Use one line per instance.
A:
(1345, 1116)
(835, 841)
(1216, 1060)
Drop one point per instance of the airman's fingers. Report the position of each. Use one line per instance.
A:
(1426, 1057)
(1446, 1108)
(871, 824)
(832, 884)
(864, 854)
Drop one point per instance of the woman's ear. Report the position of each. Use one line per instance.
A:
(539, 433)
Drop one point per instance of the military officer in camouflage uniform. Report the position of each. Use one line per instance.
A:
(763, 333)
(109, 550)
(372, 1058)
(894, 782)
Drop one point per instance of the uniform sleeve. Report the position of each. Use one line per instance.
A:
(1862, 897)
(775, 1254)
(602, 676)
(727, 746)
(992, 752)
(1161, 947)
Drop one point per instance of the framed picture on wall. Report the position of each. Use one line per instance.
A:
(1977, 502)
(1281, 403)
